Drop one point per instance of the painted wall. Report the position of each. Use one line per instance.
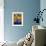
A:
(1, 20)
(43, 6)
(29, 8)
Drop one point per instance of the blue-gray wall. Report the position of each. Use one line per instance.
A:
(43, 6)
(29, 7)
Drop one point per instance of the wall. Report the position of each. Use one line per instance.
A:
(29, 7)
(1, 21)
(43, 6)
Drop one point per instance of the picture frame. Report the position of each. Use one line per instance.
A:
(17, 18)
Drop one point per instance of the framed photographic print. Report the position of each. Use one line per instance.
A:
(17, 18)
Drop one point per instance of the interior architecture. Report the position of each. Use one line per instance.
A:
(22, 22)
